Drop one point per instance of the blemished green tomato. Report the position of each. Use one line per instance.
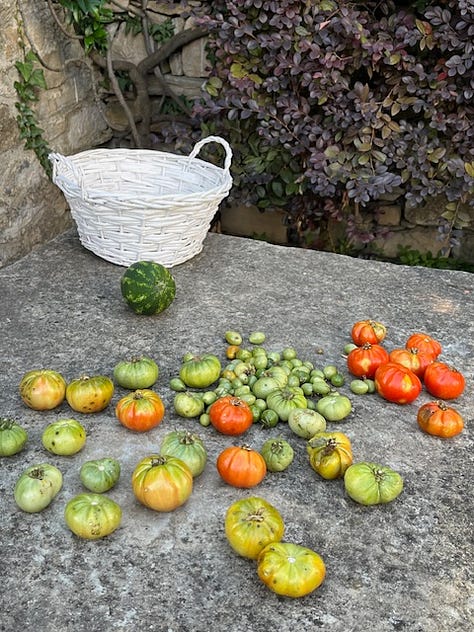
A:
(92, 516)
(42, 389)
(200, 371)
(100, 475)
(233, 337)
(89, 394)
(64, 437)
(12, 437)
(188, 404)
(372, 484)
(305, 422)
(37, 487)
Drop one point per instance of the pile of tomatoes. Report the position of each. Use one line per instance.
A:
(254, 385)
(399, 375)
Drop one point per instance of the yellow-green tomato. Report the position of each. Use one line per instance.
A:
(92, 516)
(89, 394)
(64, 437)
(186, 446)
(12, 437)
(37, 486)
(372, 484)
(334, 407)
(100, 475)
(289, 569)
(257, 337)
(305, 422)
(233, 337)
(251, 524)
(200, 371)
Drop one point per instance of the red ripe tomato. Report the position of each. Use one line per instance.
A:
(437, 419)
(364, 361)
(424, 343)
(395, 383)
(444, 381)
(370, 331)
(141, 410)
(415, 360)
(230, 415)
(240, 466)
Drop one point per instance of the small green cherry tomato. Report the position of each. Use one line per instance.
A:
(100, 475)
(371, 483)
(12, 437)
(92, 516)
(257, 337)
(359, 387)
(233, 337)
(64, 437)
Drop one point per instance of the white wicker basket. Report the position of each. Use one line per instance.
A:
(142, 205)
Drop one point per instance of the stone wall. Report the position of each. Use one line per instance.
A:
(74, 118)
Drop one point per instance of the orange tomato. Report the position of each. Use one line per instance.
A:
(240, 466)
(436, 418)
(141, 410)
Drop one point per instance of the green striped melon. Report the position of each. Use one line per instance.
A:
(148, 287)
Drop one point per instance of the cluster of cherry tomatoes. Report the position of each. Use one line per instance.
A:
(399, 374)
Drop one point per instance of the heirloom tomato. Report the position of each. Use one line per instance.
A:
(412, 359)
(89, 394)
(424, 343)
(371, 483)
(200, 371)
(141, 410)
(42, 389)
(444, 381)
(64, 437)
(278, 454)
(370, 331)
(139, 372)
(92, 516)
(12, 437)
(334, 407)
(397, 384)
(230, 415)
(305, 422)
(330, 454)
(436, 418)
(100, 475)
(240, 466)
(188, 404)
(162, 482)
(289, 569)
(284, 400)
(186, 446)
(364, 361)
(37, 486)
(251, 524)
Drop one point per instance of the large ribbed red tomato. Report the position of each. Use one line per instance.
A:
(364, 361)
(395, 383)
(230, 415)
(444, 381)
(370, 331)
(415, 360)
(424, 343)
(436, 418)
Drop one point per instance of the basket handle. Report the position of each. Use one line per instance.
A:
(56, 160)
(214, 139)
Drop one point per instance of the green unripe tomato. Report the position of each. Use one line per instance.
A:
(257, 338)
(177, 384)
(278, 454)
(233, 337)
(188, 404)
(37, 487)
(200, 371)
(371, 483)
(205, 420)
(334, 407)
(64, 437)
(137, 373)
(12, 437)
(359, 387)
(92, 516)
(305, 422)
(329, 370)
(100, 475)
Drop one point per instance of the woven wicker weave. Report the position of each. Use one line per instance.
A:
(143, 205)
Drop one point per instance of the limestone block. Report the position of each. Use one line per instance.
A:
(419, 238)
(129, 47)
(390, 215)
(248, 221)
(194, 57)
(9, 132)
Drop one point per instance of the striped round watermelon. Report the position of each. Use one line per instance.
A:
(148, 287)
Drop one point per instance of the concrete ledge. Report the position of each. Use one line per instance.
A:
(403, 566)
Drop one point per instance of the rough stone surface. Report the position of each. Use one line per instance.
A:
(403, 566)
